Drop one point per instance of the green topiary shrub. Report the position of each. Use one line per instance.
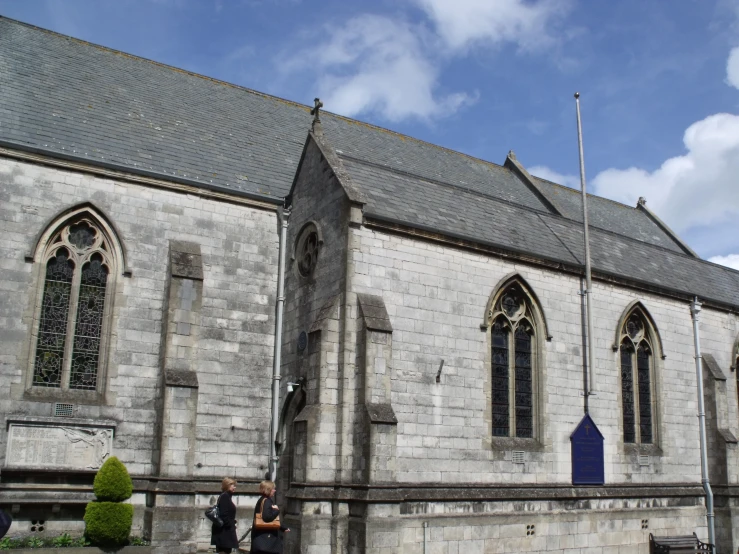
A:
(108, 523)
(112, 482)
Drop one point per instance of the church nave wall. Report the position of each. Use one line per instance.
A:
(225, 349)
(436, 296)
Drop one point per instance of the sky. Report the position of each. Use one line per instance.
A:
(659, 81)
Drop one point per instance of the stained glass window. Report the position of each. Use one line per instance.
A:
(627, 392)
(72, 314)
(645, 394)
(89, 325)
(524, 415)
(512, 334)
(52, 333)
(636, 380)
(500, 380)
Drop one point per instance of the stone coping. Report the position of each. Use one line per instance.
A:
(61, 421)
(476, 492)
(82, 550)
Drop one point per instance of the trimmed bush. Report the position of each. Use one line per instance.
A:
(108, 523)
(112, 482)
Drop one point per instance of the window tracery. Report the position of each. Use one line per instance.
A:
(637, 362)
(512, 333)
(307, 249)
(71, 320)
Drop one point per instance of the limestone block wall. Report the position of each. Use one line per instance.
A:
(600, 529)
(232, 355)
(319, 201)
(436, 297)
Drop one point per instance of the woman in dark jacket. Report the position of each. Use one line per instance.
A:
(224, 538)
(267, 541)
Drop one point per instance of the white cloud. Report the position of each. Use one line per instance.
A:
(732, 68)
(732, 260)
(697, 188)
(544, 172)
(376, 64)
(387, 66)
(463, 23)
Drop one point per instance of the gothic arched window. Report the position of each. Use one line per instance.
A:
(636, 362)
(78, 269)
(736, 366)
(513, 359)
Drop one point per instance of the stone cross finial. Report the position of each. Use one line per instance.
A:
(316, 109)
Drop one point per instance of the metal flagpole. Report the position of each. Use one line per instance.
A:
(589, 385)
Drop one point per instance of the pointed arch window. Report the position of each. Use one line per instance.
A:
(636, 360)
(735, 369)
(513, 358)
(71, 320)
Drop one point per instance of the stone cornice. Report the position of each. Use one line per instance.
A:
(398, 493)
(172, 183)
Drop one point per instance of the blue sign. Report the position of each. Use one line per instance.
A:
(588, 467)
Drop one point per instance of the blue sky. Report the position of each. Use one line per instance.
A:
(659, 81)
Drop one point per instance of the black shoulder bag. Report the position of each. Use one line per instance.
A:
(214, 514)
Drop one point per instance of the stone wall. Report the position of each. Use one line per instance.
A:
(228, 346)
(436, 297)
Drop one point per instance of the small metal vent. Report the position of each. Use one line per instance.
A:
(63, 410)
(530, 530)
(518, 456)
(643, 460)
(645, 524)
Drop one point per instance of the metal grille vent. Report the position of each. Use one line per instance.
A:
(643, 460)
(518, 457)
(63, 410)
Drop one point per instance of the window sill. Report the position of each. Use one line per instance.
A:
(515, 443)
(642, 449)
(71, 396)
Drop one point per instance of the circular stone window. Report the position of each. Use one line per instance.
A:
(307, 250)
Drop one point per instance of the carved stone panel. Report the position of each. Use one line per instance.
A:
(47, 446)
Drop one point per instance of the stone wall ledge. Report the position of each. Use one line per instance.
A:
(140, 483)
(61, 421)
(729, 491)
(461, 492)
(83, 550)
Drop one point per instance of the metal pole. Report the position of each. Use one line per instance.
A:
(589, 376)
(274, 458)
(695, 309)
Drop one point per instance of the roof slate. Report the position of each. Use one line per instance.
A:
(65, 97)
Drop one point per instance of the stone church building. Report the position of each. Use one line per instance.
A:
(432, 345)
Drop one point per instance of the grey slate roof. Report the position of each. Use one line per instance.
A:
(609, 215)
(65, 97)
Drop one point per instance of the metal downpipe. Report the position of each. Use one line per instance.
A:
(276, 377)
(695, 309)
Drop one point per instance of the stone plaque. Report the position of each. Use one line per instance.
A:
(47, 446)
(588, 464)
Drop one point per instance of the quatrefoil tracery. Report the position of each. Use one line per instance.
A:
(514, 308)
